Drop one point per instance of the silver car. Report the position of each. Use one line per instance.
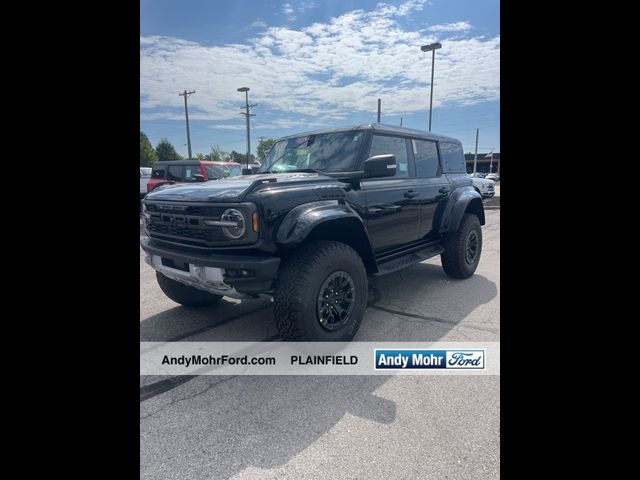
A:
(486, 188)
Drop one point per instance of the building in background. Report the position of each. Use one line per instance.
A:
(484, 162)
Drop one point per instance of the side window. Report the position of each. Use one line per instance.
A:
(190, 171)
(452, 157)
(157, 172)
(383, 145)
(175, 173)
(426, 155)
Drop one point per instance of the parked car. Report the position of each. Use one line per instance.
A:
(486, 188)
(493, 176)
(145, 175)
(327, 210)
(185, 171)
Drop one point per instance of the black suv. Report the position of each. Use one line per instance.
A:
(327, 210)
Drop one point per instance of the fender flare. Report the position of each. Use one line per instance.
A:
(459, 201)
(301, 220)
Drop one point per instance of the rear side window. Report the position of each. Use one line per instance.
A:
(175, 173)
(190, 171)
(384, 145)
(452, 157)
(158, 172)
(426, 156)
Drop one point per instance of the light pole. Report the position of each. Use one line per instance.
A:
(426, 48)
(247, 114)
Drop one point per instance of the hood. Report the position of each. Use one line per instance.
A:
(231, 189)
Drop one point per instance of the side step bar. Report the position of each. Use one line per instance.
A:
(408, 259)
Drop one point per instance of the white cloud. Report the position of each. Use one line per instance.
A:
(451, 27)
(258, 24)
(289, 11)
(321, 72)
(304, 6)
(228, 127)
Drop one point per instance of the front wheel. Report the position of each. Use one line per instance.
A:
(321, 293)
(462, 248)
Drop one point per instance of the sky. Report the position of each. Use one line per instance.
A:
(317, 64)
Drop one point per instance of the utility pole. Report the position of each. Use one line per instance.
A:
(247, 115)
(379, 106)
(186, 94)
(400, 121)
(475, 156)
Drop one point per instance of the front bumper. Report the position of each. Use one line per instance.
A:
(488, 194)
(212, 273)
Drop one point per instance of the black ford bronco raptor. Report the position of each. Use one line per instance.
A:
(326, 210)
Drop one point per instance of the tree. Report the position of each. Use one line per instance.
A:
(238, 157)
(241, 157)
(217, 154)
(166, 151)
(148, 155)
(263, 148)
(200, 156)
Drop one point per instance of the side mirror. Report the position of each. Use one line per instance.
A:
(198, 177)
(380, 166)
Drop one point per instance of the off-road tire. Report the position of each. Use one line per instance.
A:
(184, 294)
(300, 279)
(454, 259)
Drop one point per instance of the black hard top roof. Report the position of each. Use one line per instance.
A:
(177, 162)
(380, 128)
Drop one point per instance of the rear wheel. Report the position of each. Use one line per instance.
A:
(321, 293)
(462, 248)
(184, 294)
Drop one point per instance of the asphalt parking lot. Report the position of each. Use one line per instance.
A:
(287, 427)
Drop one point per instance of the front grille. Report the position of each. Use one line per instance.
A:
(197, 210)
(206, 235)
(180, 223)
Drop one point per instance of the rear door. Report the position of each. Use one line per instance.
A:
(393, 211)
(158, 176)
(431, 184)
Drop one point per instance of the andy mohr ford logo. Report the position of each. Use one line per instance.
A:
(406, 359)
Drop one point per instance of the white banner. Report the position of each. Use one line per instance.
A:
(319, 358)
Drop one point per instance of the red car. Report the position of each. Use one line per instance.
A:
(181, 171)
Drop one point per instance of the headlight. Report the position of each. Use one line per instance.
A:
(233, 215)
(145, 216)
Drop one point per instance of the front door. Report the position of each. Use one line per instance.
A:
(393, 209)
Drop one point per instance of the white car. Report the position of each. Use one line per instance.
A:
(145, 175)
(486, 188)
(493, 176)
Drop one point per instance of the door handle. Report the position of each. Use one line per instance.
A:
(410, 194)
(444, 190)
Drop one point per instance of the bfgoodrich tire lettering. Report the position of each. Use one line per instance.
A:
(184, 294)
(299, 283)
(462, 248)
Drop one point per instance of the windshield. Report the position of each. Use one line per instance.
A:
(326, 152)
(222, 171)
